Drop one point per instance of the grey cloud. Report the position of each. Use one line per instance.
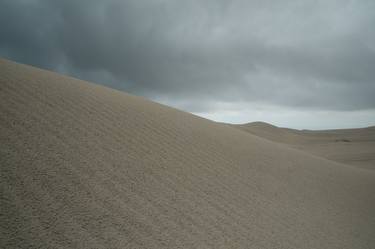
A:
(299, 54)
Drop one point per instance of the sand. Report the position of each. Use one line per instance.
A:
(84, 166)
(355, 147)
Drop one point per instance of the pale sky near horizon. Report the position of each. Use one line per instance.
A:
(301, 64)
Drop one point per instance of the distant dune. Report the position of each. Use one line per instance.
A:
(84, 166)
(354, 147)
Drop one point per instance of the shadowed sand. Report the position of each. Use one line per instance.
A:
(84, 166)
(354, 147)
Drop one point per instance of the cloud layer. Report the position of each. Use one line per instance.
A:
(297, 55)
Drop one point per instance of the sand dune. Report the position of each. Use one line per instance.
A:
(354, 147)
(84, 166)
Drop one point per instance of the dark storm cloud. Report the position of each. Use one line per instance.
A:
(302, 54)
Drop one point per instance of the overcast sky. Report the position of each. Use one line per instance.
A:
(300, 64)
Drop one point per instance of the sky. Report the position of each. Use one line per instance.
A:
(300, 64)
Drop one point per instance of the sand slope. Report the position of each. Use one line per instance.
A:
(84, 166)
(354, 147)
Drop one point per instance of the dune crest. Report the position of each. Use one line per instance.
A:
(355, 147)
(85, 166)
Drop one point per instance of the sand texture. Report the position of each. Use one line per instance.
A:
(84, 166)
(354, 147)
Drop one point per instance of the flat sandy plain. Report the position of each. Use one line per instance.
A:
(85, 166)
